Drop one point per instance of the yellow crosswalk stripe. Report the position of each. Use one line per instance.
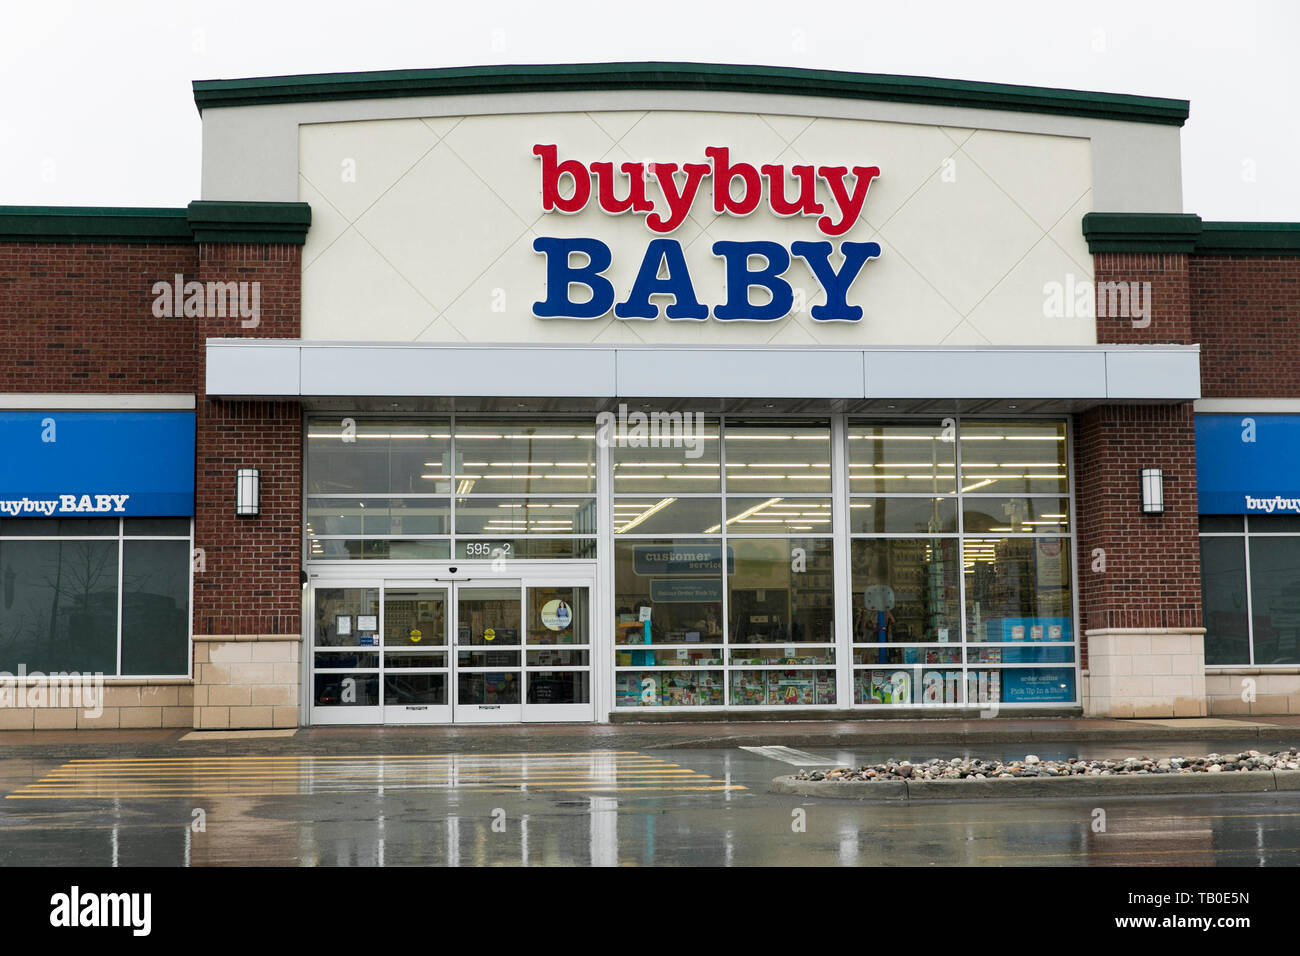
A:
(294, 774)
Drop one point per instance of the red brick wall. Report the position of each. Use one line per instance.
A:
(251, 585)
(1170, 297)
(78, 317)
(1152, 575)
(1246, 315)
(278, 269)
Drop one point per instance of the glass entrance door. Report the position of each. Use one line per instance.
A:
(557, 676)
(416, 662)
(401, 652)
(345, 678)
(489, 671)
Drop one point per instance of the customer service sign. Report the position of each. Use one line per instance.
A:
(830, 199)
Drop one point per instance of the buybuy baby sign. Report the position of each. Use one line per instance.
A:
(831, 198)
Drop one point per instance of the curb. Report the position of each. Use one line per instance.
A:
(887, 791)
(1019, 736)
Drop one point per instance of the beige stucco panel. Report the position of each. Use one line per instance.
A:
(432, 241)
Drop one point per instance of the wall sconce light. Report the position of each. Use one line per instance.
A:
(248, 483)
(1153, 492)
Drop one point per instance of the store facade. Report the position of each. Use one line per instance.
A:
(642, 391)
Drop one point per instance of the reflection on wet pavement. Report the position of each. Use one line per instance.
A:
(665, 808)
(144, 777)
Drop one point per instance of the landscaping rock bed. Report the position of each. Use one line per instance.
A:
(1031, 766)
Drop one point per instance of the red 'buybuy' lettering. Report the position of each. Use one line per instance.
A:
(625, 191)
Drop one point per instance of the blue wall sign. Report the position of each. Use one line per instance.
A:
(96, 464)
(1248, 464)
(1038, 685)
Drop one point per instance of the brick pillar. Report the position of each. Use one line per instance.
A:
(1139, 575)
(1166, 277)
(248, 598)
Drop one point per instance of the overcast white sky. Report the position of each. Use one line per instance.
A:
(97, 106)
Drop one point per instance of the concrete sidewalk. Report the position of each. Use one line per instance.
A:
(552, 738)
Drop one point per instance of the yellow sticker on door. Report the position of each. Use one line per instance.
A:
(416, 635)
(489, 634)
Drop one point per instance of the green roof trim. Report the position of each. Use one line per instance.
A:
(1141, 231)
(258, 222)
(93, 224)
(1249, 239)
(708, 77)
(261, 222)
(1185, 232)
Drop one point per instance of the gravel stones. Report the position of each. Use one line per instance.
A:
(976, 768)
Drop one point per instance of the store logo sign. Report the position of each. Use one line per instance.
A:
(569, 186)
(1270, 505)
(64, 505)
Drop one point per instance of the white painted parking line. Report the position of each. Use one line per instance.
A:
(788, 755)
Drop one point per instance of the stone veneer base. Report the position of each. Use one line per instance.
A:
(1146, 672)
(245, 682)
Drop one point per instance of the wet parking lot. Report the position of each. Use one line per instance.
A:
(631, 807)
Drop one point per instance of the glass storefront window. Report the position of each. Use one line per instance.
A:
(1223, 599)
(1018, 589)
(1274, 524)
(515, 516)
(155, 607)
(777, 457)
(723, 547)
(903, 515)
(61, 527)
(377, 549)
(1250, 579)
(666, 454)
(915, 558)
(902, 457)
(1013, 458)
(61, 606)
(530, 548)
(525, 457)
(781, 591)
(654, 514)
(776, 688)
(668, 591)
(778, 515)
(1015, 515)
(1275, 599)
(905, 591)
(348, 455)
(379, 489)
(370, 517)
(156, 527)
(668, 688)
